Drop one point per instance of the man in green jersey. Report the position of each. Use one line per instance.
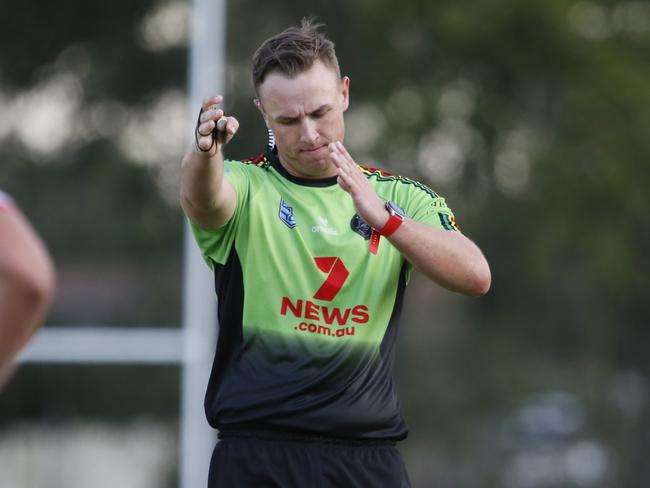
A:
(311, 254)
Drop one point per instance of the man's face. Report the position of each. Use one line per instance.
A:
(305, 114)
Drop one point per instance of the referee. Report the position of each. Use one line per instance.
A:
(311, 254)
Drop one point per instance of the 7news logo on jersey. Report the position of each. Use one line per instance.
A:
(326, 320)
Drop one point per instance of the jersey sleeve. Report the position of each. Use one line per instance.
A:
(216, 244)
(424, 205)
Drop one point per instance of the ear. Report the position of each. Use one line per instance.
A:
(345, 92)
(259, 106)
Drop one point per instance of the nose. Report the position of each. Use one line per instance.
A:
(309, 132)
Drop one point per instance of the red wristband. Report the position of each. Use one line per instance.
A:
(394, 221)
(374, 241)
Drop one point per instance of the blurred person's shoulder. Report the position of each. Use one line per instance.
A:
(6, 201)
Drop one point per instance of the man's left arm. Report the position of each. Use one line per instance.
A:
(449, 258)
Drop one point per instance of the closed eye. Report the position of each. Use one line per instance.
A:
(321, 112)
(287, 120)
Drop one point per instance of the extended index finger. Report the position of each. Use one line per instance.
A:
(345, 153)
(341, 156)
(335, 154)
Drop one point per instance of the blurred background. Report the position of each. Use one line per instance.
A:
(531, 118)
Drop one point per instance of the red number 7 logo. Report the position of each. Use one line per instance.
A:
(338, 273)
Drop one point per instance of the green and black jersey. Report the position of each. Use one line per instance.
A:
(308, 315)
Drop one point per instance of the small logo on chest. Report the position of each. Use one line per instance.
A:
(358, 225)
(286, 214)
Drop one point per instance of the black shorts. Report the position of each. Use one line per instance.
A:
(250, 462)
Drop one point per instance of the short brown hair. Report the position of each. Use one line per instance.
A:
(294, 51)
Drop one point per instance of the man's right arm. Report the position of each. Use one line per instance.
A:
(207, 197)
